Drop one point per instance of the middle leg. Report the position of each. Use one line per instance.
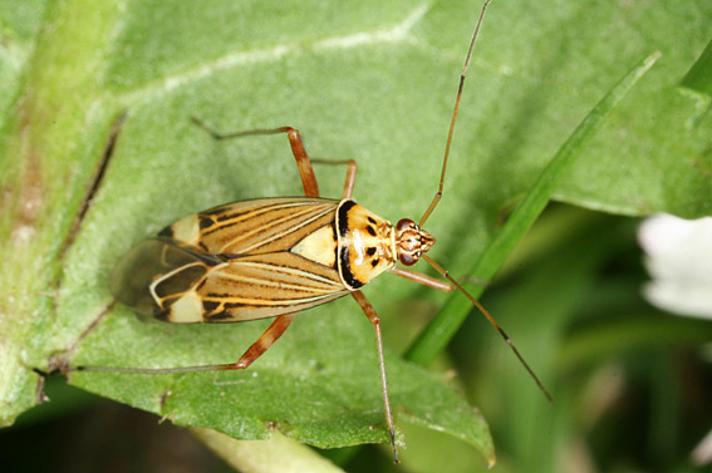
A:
(306, 172)
(350, 179)
(304, 164)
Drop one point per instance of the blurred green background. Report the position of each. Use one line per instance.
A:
(372, 81)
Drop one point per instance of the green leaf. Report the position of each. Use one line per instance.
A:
(373, 81)
(48, 159)
(319, 384)
(19, 23)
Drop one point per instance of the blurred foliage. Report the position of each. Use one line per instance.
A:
(371, 81)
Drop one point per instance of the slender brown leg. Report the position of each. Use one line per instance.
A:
(268, 337)
(306, 172)
(453, 119)
(476, 303)
(372, 316)
(350, 180)
(451, 285)
(271, 335)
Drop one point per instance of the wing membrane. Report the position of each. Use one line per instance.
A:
(145, 268)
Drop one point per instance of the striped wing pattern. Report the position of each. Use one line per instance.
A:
(261, 225)
(239, 268)
(267, 285)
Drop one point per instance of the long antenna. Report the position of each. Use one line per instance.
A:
(438, 195)
(443, 272)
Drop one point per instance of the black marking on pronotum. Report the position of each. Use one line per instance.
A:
(371, 250)
(342, 222)
(371, 231)
(342, 217)
(336, 247)
(346, 269)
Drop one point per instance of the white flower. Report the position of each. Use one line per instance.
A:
(679, 259)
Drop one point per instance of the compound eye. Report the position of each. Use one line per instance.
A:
(404, 224)
(407, 259)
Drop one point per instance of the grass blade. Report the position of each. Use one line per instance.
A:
(699, 77)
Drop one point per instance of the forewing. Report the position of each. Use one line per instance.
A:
(254, 226)
(266, 285)
(174, 283)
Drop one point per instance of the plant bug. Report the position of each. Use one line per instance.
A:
(274, 257)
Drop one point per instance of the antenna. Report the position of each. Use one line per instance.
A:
(443, 272)
(451, 131)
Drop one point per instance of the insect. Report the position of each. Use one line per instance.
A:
(275, 257)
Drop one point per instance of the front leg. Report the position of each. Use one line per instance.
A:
(350, 179)
(375, 320)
